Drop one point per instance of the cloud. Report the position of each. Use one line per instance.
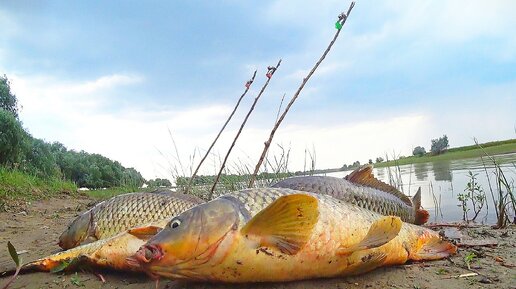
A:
(48, 95)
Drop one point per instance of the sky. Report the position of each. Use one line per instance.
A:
(150, 84)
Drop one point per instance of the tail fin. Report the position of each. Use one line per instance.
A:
(430, 246)
(60, 261)
(422, 215)
(41, 265)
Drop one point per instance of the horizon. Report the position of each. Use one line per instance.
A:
(399, 75)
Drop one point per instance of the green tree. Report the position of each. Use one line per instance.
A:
(11, 138)
(39, 159)
(418, 151)
(379, 160)
(159, 183)
(439, 145)
(8, 100)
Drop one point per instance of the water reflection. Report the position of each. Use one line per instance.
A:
(442, 171)
(421, 171)
(440, 183)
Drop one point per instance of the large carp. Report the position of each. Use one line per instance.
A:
(361, 188)
(123, 212)
(270, 234)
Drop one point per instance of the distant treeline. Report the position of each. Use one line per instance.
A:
(20, 151)
(232, 178)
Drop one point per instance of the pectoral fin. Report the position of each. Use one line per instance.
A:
(380, 233)
(144, 232)
(286, 224)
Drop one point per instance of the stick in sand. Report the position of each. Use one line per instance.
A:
(338, 25)
(270, 73)
(247, 87)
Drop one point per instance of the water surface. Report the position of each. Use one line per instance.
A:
(446, 179)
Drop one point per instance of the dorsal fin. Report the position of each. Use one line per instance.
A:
(364, 176)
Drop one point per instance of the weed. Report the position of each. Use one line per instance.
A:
(441, 271)
(470, 256)
(476, 194)
(17, 261)
(76, 281)
(506, 198)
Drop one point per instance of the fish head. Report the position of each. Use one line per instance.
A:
(80, 230)
(200, 236)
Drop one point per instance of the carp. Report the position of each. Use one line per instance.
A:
(361, 188)
(277, 234)
(123, 212)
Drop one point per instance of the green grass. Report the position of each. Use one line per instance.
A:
(473, 151)
(16, 185)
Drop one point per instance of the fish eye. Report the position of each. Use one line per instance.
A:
(175, 223)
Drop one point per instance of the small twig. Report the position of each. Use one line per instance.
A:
(247, 87)
(437, 225)
(342, 20)
(270, 73)
(462, 275)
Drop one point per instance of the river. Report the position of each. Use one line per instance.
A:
(442, 181)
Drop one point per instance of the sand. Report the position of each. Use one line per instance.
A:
(36, 227)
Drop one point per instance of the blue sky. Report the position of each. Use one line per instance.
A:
(114, 77)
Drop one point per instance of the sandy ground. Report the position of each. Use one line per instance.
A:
(35, 227)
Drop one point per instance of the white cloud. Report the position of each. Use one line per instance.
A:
(47, 95)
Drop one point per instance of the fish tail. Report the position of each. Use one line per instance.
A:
(41, 265)
(59, 261)
(430, 246)
(421, 214)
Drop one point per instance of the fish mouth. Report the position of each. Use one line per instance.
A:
(149, 253)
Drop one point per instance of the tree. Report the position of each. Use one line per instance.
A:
(39, 160)
(356, 164)
(159, 183)
(370, 161)
(8, 100)
(439, 145)
(418, 151)
(379, 159)
(11, 138)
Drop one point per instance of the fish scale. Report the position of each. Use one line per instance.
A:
(126, 211)
(362, 196)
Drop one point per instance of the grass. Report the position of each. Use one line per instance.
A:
(15, 185)
(492, 148)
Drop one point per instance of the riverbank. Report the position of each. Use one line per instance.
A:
(35, 229)
(17, 188)
(473, 151)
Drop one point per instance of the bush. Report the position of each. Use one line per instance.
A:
(159, 183)
(439, 145)
(8, 101)
(11, 138)
(418, 151)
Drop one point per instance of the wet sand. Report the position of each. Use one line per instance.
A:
(36, 227)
